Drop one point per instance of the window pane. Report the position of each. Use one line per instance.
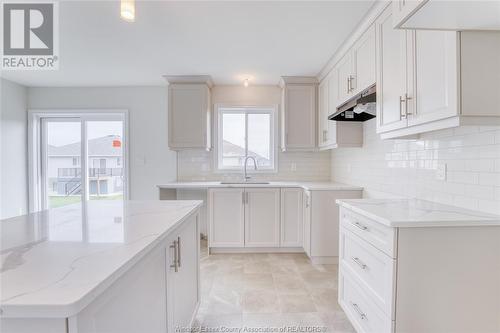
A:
(105, 149)
(259, 138)
(63, 175)
(233, 139)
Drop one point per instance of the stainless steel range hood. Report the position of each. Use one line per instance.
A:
(359, 108)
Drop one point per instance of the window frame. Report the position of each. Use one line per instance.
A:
(37, 155)
(220, 109)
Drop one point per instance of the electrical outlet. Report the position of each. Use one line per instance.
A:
(441, 172)
(294, 167)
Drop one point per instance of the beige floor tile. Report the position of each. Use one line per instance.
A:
(326, 300)
(260, 301)
(257, 267)
(296, 303)
(217, 321)
(314, 280)
(258, 281)
(289, 284)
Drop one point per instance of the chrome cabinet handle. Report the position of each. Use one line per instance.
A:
(359, 262)
(407, 98)
(351, 87)
(401, 113)
(178, 251)
(361, 314)
(348, 84)
(360, 226)
(174, 265)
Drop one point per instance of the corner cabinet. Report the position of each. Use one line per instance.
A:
(298, 113)
(189, 113)
(432, 80)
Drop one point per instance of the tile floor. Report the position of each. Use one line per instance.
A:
(269, 292)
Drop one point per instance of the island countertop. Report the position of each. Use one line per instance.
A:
(417, 213)
(55, 262)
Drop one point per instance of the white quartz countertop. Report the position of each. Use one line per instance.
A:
(311, 186)
(417, 213)
(55, 262)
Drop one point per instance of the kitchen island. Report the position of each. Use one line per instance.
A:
(114, 266)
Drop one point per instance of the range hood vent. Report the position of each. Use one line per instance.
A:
(359, 108)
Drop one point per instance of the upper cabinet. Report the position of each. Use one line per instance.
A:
(430, 80)
(189, 120)
(331, 133)
(356, 70)
(446, 15)
(298, 113)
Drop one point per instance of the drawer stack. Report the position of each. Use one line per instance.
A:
(367, 272)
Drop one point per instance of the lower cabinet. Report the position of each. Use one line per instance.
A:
(291, 217)
(241, 217)
(321, 224)
(182, 256)
(262, 217)
(158, 294)
(226, 217)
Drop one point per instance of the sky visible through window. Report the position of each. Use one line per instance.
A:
(258, 132)
(63, 133)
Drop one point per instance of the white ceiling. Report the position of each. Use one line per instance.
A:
(229, 40)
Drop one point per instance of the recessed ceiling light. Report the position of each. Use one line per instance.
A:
(127, 10)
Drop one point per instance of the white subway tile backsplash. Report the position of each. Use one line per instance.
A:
(407, 168)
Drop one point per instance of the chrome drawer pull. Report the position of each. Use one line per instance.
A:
(358, 310)
(359, 262)
(175, 266)
(360, 226)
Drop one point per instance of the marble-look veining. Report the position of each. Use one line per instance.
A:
(267, 292)
(417, 213)
(55, 262)
(312, 186)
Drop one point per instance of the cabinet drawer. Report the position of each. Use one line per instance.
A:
(380, 236)
(364, 315)
(374, 269)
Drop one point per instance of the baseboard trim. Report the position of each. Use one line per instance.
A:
(214, 250)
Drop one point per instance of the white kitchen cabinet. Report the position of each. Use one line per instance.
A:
(423, 87)
(189, 113)
(391, 74)
(291, 217)
(262, 217)
(158, 294)
(321, 224)
(446, 15)
(298, 113)
(226, 217)
(363, 55)
(307, 223)
(331, 133)
(356, 70)
(182, 274)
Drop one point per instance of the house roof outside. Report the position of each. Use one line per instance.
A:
(230, 150)
(103, 146)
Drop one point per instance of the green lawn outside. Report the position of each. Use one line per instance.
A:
(59, 201)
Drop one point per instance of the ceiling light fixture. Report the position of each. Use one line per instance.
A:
(245, 83)
(127, 10)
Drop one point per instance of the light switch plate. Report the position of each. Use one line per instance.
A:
(441, 172)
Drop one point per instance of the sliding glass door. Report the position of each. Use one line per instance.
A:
(77, 157)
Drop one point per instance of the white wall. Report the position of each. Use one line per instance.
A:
(408, 167)
(13, 149)
(198, 164)
(151, 162)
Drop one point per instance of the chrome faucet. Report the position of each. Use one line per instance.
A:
(247, 178)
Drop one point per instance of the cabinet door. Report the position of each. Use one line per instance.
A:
(391, 74)
(435, 96)
(364, 61)
(291, 217)
(299, 116)
(307, 223)
(226, 217)
(323, 111)
(262, 217)
(189, 112)
(183, 284)
(345, 75)
(333, 102)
